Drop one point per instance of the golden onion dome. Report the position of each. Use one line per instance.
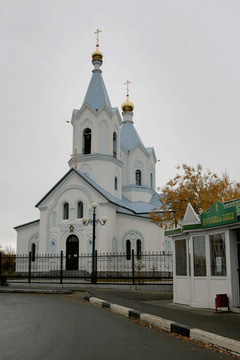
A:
(127, 106)
(97, 55)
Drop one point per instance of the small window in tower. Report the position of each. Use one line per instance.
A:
(115, 183)
(128, 250)
(80, 210)
(65, 211)
(114, 144)
(87, 134)
(151, 181)
(138, 177)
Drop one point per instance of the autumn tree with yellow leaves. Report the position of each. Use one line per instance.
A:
(195, 187)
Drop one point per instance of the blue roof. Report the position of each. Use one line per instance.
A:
(129, 136)
(138, 207)
(124, 205)
(96, 95)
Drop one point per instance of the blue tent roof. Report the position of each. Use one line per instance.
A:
(96, 95)
(129, 136)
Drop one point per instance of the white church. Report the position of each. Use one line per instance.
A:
(110, 168)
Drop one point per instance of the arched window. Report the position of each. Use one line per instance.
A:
(128, 250)
(87, 141)
(139, 249)
(65, 211)
(33, 251)
(138, 177)
(80, 210)
(114, 144)
(115, 183)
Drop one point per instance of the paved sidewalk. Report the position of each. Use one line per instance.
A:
(160, 304)
(156, 307)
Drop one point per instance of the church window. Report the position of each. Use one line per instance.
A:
(114, 144)
(65, 211)
(151, 181)
(33, 251)
(128, 250)
(115, 183)
(138, 177)
(139, 249)
(80, 210)
(87, 134)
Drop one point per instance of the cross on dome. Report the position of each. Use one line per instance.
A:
(127, 83)
(97, 32)
(97, 55)
(127, 106)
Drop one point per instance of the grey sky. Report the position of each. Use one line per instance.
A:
(182, 57)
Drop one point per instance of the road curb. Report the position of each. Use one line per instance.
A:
(35, 291)
(170, 326)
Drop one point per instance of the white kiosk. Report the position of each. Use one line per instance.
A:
(207, 257)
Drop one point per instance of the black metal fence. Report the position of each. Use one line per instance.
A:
(144, 268)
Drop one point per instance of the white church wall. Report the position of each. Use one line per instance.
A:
(104, 137)
(138, 160)
(101, 128)
(71, 191)
(138, 228)
(137, 193)
(124, 160)
(106, 233)
(151, 181)
(25, 236)
(104, 173)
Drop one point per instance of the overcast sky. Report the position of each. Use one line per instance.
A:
(182, 57)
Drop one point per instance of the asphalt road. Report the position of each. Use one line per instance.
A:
(60, 327)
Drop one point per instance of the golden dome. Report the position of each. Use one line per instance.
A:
(127, 106)
(97, 55)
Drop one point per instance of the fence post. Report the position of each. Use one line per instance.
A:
(133, 268)
(29, 266)
(61, 270)
(96, 266)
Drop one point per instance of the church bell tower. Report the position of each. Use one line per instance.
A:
(96, 133)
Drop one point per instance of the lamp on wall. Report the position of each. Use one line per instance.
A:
(94, 222)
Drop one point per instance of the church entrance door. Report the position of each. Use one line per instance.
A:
(72, 252)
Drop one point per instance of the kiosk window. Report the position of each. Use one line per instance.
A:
(218, 255)
(199, 256)
(181, 257)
